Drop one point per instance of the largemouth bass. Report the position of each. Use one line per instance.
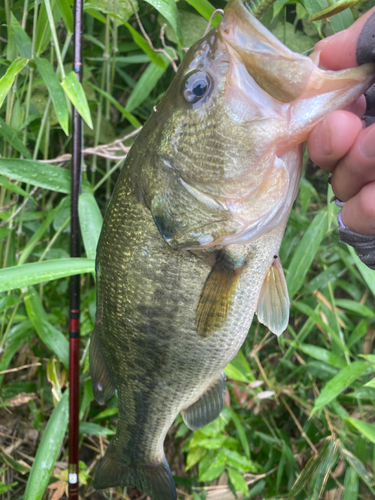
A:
(189, 247)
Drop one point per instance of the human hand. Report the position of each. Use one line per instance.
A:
(341, 145)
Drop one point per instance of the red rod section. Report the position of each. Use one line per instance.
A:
(76, 173)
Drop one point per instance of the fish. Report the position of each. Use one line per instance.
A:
(189, 249)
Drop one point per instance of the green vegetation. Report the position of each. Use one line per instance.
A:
(300, 408)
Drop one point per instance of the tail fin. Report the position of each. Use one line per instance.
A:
(153, 479)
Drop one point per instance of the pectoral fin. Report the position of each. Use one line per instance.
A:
(102, 387)
(217, 295)
(208, 406)
(273, 303)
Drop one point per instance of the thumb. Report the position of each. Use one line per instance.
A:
(339, 50)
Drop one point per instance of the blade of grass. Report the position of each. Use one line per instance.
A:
(7, 80)
(339, 383)
(305, 253)
(144, 86)
(131, 118)
(91, 221)
(48, 334)
(368, 430)
(74, 90)
(39, 174)
(22, 39)
(40, 272)
(168, 9)
(48, 450)
(10, 136)
(55, 91)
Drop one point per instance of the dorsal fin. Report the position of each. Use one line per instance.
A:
(217, 295)
(273, 302)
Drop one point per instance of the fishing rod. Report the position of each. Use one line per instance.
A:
(77, 158)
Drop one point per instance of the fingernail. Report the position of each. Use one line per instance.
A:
(323, 139)
(367, 144)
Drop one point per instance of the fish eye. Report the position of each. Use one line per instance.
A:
(197, 86)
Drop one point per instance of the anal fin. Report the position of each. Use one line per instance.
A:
(273, 302)
(102, 387)
(217, 295)
(208, 407)
(153, 479)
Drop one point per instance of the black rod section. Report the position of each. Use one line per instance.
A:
(76, 173)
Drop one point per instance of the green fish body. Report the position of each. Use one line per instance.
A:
(189, 247)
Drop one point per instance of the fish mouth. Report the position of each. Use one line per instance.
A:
(277, 70)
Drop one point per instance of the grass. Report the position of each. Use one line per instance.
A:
(299, 415)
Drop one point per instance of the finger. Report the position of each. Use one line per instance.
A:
(357, 168)
(339, 50)
(358, 214)
(332, 138)
(358, 107)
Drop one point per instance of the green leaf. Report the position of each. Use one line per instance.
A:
(40, 272)
(168, 9)
(131, 118)
(143, 44)
(10, 349)
(11, 136)
(322, 355)
(13, 187)
(323, 471)
(212, 472)
(359, 331)
(340, 382)
(39, 174)
(238, 481)
(7, 80)
(339, 22)
(294, 39)
(205, 9)
(91, 221)
(238, 461)
(66, 14)
(55, 91)
(367, 274)
(48, 450)
(351, 485)
(355, 307)
(36, 237)
(305, 253)
(194, 456)
(49, 335)
(314, 314)
(309, 469)
(6, 487)
(368, 430)
(356, 464)
(23, 41)
(241, 434)
(22, 468)
(74, 90)
(43, 31)
(320, 281)
(144, 86)
(235, 374)
(94, 429)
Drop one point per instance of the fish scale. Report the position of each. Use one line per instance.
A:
(190, 240)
